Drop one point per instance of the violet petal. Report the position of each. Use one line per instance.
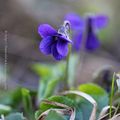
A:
(75, 20)
(45, 45)
(46, 30)
(100, 21)
(55, 53)
(92, 42)
(62, 47)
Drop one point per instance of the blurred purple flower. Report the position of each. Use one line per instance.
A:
(77, 23)
(79, 26)
(53, 42)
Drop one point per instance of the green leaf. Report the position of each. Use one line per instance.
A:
(4, 109)
(92, 89)
(26, 99)
(42, 88)
(64, 100)
(60, 99)
(47, 88)
(52, 115)
(15, 116)
(49, 79)
(51, 87)
(37, 113)
(49, 70)
(84, 110)
(12, 98)
(42, 69)
(98, 93)
(27, 103)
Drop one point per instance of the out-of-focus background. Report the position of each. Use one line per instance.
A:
(20, 18)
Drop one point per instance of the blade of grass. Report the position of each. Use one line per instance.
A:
(111, 95)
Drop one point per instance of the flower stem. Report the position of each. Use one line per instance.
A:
(66, 80)
(111, 95)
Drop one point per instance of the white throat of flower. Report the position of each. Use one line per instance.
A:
(65, 29)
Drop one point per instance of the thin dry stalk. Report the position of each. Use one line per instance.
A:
(116, 117)
(104, 111)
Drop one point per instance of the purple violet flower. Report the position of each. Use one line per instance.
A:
(54, 42)
(92, 24)
(77, 23)
(92, 41)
